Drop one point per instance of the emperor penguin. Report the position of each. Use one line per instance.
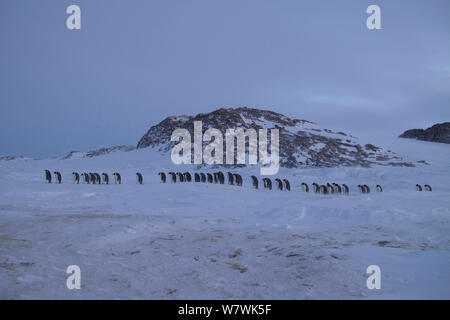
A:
(221, 177)
(238, 179)
(361, 189)
(267, 183)
(203, 177)
(76, 177)
(162, 177)
(98, 179)
(139, 178)
(316, 188)
(92, 178)
(57, 177)
(230, 178)
(428, 187)
(48, 176)
(216, 177)
(85, 178)
(196, 177)
(187, 177)
(323, 189)
(366, 188)
(330, 188)
(418, 187)
(287, 185)
(337, 188)
(305, 187)
(180, 177)
(117, 178)
(210, 177)
(345, 189)
(379, 188)
(279, 184)
(255, 182)
(105, 178)
(173, 177)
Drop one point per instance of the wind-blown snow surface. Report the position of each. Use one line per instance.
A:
(203, 241)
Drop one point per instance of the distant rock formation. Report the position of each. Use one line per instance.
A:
(9, 158)
(438, 133)
(102, 151)
(302, 143)
(99, 152)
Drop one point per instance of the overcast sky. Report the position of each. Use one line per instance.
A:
(135, 62)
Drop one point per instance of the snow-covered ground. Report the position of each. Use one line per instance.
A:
(210, 241)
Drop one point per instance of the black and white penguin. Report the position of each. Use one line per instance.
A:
(337, 188)
(366, 188)
(210, 177)
(238, 179)
(57, 177)
(180, 177)
(323, 189)
(139, 178)
(98, 179)
(216, 177)
(92, 178)
(316, 188)
(379, 188)
(105, 178)
(117, 178)
(162, 177)
(203, 177)
(345, 189)
(196, 177)
(187, 177)
(255, 182)
(305, 187)
(287, 185)
(428, 187)
(85, 177)
(279, 184)
(173, 177)
(361, 189)
(267, 183)
(48, 176)
(221, 177)
(418, 187)
(76, 177)
(330, 188)
(230, 178)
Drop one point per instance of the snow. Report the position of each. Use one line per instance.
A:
(203, 241)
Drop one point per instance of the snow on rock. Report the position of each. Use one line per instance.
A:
(319, 146)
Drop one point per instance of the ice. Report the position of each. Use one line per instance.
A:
(203, 241)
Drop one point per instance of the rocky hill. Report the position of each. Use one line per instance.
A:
(302, 143)
(438, 133)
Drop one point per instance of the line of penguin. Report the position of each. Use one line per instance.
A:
(219, 177)
(90, 178)
(216, 177)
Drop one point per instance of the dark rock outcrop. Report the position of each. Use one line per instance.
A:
(438, 133)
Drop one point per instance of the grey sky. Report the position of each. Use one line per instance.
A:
(135, 62)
